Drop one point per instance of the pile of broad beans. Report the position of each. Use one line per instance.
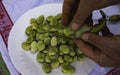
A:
(54, 43)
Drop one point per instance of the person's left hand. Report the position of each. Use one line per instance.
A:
(104, 50)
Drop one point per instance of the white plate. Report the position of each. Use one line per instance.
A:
(25, 61)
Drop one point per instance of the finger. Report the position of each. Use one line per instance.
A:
(88, 50)
(89, 20)
(68, 6)
(99, 42)
(95, 54)
(81, 15)
(106, 32)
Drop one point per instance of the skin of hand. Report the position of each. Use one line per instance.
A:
(105, 49)
(77, 11)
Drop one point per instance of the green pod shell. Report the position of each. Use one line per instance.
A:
(114, 17)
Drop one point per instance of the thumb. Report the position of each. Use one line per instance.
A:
(95, 40)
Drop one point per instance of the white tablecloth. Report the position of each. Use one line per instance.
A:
(16, 8)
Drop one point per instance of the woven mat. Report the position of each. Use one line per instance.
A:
(6, 25)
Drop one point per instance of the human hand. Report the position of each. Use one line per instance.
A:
(77, 11)
(104, 50)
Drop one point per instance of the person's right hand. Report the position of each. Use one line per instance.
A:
(76, 12)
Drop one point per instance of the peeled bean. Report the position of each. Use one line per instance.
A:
(53, 21)
(47, 40)
(29, 39)
(34, 46)
(33, 20)
(48, 59)
(54, 41)
(65, 49)
(68, 69)
(68, 32)
(60, 59)
(68, 58)
(40, 45)
(58, 16)
(46, 68)
(26, 46)
(40, 57)
(55, 64)
(40, 19)
(28, 30)
(65, 63)
(52, 51)
(42, 36)
(34, 26)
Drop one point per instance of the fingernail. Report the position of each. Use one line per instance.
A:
(74, 26)
(84, 37)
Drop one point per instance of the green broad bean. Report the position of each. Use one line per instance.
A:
(68, 58)
(75, 58)
(49, 18)
(72, 52)
(34, 26)
(47, 59)
(33, 33)
(52, 51)
(46, 68)
(79, 51)
(40, 30)
(28, 30)
(29, 39)
(47, 40)
(42, 36)
(37, 36)
(34, 46)
(53, 21)
(46, 51)
(55, 64)
(40, 57)
(33, 20)
(62, 40)
(60, 31)
(58, 16)
(65, 49)
(26, 46)
(54, 41)
(68, 69)
(40, 46)
(54, 57)
(46, 28)
(60, 53)
(40, 19)
(60, 59)
(53, 29)
(65, 64)
(81, 57)
(68, 31)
